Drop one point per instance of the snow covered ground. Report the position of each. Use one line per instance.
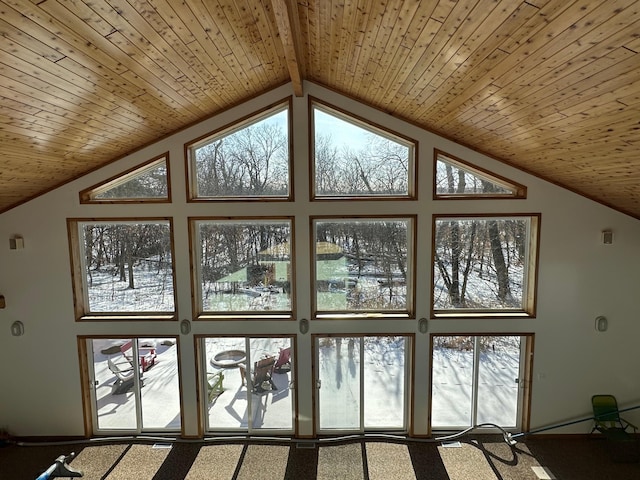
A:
(368, 389)
(497, 392)
(160, 396)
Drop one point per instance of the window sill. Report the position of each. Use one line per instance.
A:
(362, 316)
(128, 317)
(458, 314)
(243, 316)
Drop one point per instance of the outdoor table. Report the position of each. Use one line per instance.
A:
(231, 359)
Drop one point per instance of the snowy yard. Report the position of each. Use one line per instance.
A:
(362, 386)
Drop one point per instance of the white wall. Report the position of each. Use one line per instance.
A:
(579, 279)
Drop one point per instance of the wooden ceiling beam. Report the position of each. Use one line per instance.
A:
(286, 15)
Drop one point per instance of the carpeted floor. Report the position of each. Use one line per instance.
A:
(475, 458)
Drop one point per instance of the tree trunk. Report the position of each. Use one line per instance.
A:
(129, 258)
(454, 288)
(502, 272)
(456, 245)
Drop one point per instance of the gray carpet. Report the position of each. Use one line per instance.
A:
(476, 458)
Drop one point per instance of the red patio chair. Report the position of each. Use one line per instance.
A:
(283, 363)
(147, 355)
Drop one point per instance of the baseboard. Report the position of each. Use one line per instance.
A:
(48, 439)
(571, 436)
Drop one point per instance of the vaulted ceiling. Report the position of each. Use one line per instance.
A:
(549, 86)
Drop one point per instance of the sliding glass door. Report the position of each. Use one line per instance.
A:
(478, 380)
(135, 386)
(361, 383)
(247, 384)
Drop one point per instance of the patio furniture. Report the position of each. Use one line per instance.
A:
(262, 375)
(283, 363)
(214, 385)
(146, 354)
(623, 445)
(228, 358)
(243, 374)
(607, 418)
(124, 372)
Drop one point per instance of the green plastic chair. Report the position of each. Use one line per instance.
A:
(214, 385)
(621, 444)
(607, 418)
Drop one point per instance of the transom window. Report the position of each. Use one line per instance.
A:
(363, 266)
(352, 158)
(145, 183)
(484, 265)
(243, 266)
(123, 267)
(248, 160)
(455, 178)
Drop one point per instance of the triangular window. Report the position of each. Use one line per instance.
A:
(352, 158)
(455, 178)
(145, 183)
(247, 160)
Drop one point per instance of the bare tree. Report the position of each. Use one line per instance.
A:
(379, 168)
(251, 161)
(326, 159)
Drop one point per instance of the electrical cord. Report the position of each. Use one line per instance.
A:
(508, 437)
(263, 439)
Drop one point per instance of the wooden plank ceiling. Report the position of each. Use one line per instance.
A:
(549, 86)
